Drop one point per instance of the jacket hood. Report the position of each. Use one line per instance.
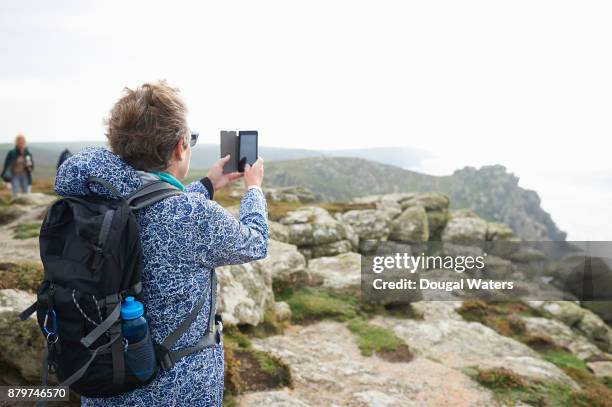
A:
(98, 162)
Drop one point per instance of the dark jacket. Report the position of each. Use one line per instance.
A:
(11, 156)
(66, 154)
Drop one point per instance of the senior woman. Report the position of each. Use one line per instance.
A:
(18, 167)
(183, 237)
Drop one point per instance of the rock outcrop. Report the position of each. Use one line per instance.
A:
(244, 293)
(464, 226)
(411, 225)
(317, 233)
(21, 343)
(582, 320)
(286, 265)
(290, 194)
(369, 224)
(451, 341)
(341, 272)
(329, 370)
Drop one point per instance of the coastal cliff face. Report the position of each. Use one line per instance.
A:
(494, 194)
(298, 333)
(491, 191)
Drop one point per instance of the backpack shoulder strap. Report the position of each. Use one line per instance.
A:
(104, 183)
(150, 193)
(166, 356)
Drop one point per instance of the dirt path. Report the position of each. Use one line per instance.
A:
(15, 250)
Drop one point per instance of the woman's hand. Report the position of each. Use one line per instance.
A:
(218, 178)
(253, 176)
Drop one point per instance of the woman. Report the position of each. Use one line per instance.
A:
(18, 167)
(183, 237)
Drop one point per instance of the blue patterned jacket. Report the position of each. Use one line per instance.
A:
(183, 238)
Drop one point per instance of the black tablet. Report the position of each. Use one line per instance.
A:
(247, 150)
(242, 149)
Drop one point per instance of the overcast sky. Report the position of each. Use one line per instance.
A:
(527, 84)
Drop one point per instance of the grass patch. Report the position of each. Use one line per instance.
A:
(511, 389)
(501, 317)
(269, 326)
(310, 304)
(26, 275)
(594, 392)
(382, 341)
(248, 369)
(234, 337)
(229, 400)
(26, 230)
(315, 303)
(564, 359)
(500, 379)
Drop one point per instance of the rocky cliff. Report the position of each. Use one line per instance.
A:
(491, 191)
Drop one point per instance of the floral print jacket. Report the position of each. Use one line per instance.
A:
(183, 238)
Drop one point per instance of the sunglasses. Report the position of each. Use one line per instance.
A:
(194, 138)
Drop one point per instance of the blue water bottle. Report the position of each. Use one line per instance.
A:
(140, 355)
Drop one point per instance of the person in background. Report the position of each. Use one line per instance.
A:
(18, 167)
(63, 157)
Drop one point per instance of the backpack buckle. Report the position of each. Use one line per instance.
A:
(164, 357)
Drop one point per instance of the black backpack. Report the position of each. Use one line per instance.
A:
(92, 256)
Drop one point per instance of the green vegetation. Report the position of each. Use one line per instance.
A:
(594, 391)
(500, 316)
(315, 303)
(269, 326)
(26, 275)
(310, 304)
(248, 369)
(375, 339)
(564, 359)
(26, 230)
(510, 388)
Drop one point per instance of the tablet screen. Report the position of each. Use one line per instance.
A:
(248, 149)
